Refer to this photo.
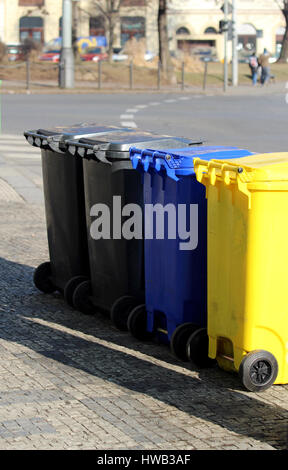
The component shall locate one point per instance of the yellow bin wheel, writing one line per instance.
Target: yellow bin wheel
(258, 370)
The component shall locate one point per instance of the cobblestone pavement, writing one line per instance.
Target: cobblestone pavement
(71, 381)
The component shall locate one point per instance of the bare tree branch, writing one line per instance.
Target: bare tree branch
(110, 9)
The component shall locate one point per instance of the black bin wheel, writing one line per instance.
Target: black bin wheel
(197, 349)
(258, 370)
(82, 298)
(179, 339)
(137, 323)
(42, 279)
(121, 309)
(70, 288)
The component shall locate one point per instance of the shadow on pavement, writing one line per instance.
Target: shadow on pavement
(211, 396)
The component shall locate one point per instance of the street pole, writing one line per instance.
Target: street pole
(234, 44)
(225, 46)
(67, 56)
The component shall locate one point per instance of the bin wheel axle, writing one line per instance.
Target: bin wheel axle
(197, 349)
(137, 323)
(42, 279)
(82, 298)
(121, 309)
(179, 339)
(70, 288)
(258, 370)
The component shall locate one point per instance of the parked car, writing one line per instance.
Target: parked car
(94, 54)
(119, 55)
(16, 52)
(50, 56)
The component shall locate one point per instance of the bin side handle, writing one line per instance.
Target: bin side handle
(151, 160)
(206, 173)
(34, 135)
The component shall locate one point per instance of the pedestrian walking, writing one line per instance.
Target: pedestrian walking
(254, 65)
(265, 64)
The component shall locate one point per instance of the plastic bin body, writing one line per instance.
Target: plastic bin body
(175, 278)
(116, 264)
(64, 200)
(247, 244)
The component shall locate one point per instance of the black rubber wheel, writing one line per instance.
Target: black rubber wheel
(258, 370)
(70, 288)
(82, 298)
(121, 309)
(179, 339)
(42, 279)
(137, 323)
(197, 349)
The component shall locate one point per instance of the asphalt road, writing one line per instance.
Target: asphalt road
(257, 122)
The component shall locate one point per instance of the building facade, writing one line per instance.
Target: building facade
(193, 24)
(41, 20)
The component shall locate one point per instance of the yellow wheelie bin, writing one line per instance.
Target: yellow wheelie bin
(248, 266)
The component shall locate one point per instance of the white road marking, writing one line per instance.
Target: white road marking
(16, 147)
(126, 116)
(129, 124)
(19, 156)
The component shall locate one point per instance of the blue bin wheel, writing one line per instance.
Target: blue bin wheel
(121, 309)
(179, 339)
(70, 287)
(42, 279)
(137, 323)
(82, 298)
(197, 349)
(258, 370)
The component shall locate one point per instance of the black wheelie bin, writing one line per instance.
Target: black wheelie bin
(111, 185)
(65, 207)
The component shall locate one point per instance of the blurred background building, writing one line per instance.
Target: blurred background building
(192, 25)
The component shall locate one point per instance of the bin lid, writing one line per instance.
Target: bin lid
(180, 162)
(53, 138)
(257, 168)
(118, 144)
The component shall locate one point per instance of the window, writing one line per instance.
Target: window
(132, 26)
(210, 30)
(31, 27)
(247, 37)
(97, 26)
(182, 30)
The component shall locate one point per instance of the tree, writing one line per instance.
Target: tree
(283, 5)
(164, 53)
(110, 10)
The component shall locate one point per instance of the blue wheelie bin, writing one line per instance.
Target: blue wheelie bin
(175, 249)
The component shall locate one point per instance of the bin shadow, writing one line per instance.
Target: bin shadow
(34, 321)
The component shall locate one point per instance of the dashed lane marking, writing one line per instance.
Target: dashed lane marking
(126, 116)
(128, 124)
